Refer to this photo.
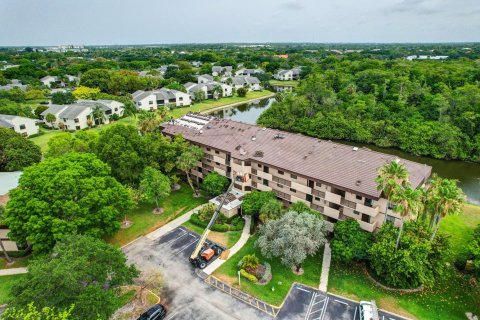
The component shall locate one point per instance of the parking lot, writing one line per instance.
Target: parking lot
(187, 296)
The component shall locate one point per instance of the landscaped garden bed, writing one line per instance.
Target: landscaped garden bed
(254, 271)
(222, 224)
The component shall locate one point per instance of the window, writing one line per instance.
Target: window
(150, 102)
(76, 120)
(310, 183)
(365, 218)
(356, 212)
(317, 198)
(280, 172)
(254, 171)
(390, 219)
(77, 127)
(217, 152)
(265, 182)
(293, 176)
(181, 98)
(309, 197)
(217, 163)
(358, 197)
(22, 127)
(265, 169)
(293, 190)
(116, 109)
(259, 165)
(247, 164)
(139, 103)
(318, 184)
(208, 149)
(279, 185)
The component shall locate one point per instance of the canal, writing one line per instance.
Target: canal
(467, 173)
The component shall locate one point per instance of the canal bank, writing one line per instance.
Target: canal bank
(467, 173)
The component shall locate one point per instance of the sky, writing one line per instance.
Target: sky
(109, 22)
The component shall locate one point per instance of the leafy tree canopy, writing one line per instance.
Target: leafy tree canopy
(215, 184)
(253, 201)
(73, 193)
(81, 271)
(350, 241)
(16, 151)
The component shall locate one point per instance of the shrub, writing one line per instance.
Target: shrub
(215, 184)
(206, 213)
(220, 228)
(250, 262)
(350, 242)
(248, 276)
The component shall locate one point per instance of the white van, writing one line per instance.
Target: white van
(368, 310)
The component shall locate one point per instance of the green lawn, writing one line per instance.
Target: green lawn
(210, 104)
(292, 83)
(282, 277)
(451, 297)
(144, 221)
(42, 140)
(226, 239)
(6, 284)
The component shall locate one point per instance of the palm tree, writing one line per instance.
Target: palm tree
(217, 91)
(98, 114)
(2, 211)
(148, 121)
(390, 176)
(408, 204)
(187, 161)
(447, 198)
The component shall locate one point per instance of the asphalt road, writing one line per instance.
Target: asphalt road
(188, 297)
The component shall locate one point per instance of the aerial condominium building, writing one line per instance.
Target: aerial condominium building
(335, 179)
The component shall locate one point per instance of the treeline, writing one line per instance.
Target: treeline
(429, 108)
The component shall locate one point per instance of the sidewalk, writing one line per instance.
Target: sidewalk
(173, 224)
(240, 243)
(12, 271)
(327, 257)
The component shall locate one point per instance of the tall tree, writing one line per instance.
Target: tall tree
(154, 186)
(270, 210)
(80, 271)
(148, 121)
(16, 151)
(5, 253)
(58, 196)
(215, 184)
(187, 161)
(98, 114)
(390, 176)
(447, 198)
(408, 205)
(292, 238)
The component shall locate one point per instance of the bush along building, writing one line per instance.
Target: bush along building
(335, 179)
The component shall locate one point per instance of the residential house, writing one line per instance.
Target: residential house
(208, 89)
(8, 182)
(252, 83)
(222, 71)
(334, 179)
(79, 115)
(151, 100)
(24, 126)
(248, 72)
(204, 78)
(48, 81)
(14, 83)
(291, 74)
(164, 68)
(196, 64)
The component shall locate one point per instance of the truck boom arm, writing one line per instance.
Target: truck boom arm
(216, 213)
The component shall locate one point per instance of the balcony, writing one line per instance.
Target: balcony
(347, 203)
(332, 197)
(332, 213)
(370, 227)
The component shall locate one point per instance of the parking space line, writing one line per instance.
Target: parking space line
(319, 301)
(177, 238)
(303, 289)
(324, 310)
(172, 315)
(355, 314)
(310, 306)
(185, 247)
(342, 302)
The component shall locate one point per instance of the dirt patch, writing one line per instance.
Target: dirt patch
(225, 254)
(299, 272)
(219, 237)
(126, 224)
(157, 211)
(390, 304)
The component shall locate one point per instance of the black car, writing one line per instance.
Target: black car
(157, 312)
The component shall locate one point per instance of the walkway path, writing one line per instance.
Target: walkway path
(327, 257)
(240, 243)
(173, 224)
(12, 271)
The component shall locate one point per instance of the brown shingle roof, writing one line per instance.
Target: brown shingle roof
(352, 169)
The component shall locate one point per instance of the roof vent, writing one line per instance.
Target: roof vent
(278, 136)
(358, 182)
(355, 148)
(238, 147)
(258, 154)
(264, 128)
(209, 127)
(254, 138)
(201, 131)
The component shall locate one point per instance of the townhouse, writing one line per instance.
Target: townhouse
(80, 115)
(248, 72)
(291, 74)
(222, 71)
(335, 179)
(14, 83)
(151, 100)
(25, 126)
(252, 83)
(48, 81)
(211, 90)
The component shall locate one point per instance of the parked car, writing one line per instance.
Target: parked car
(368, 310)
(157, 312)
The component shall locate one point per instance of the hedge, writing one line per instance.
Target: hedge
(248, 276)
(235, 223)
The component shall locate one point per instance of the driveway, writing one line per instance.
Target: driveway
(188, 297)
